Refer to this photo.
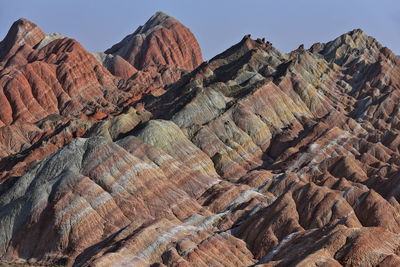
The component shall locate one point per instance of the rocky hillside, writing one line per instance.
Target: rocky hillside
(142, 155)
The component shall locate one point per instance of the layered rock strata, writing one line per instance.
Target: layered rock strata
(255, 157)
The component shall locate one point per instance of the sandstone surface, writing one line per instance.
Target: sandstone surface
(253, 158)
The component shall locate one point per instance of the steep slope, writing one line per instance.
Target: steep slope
(155, 55)
(256, 157)
(48, 75)
(162, 40)
(49, 78)
(22, 36)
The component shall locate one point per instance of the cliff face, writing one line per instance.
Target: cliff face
(254, 157)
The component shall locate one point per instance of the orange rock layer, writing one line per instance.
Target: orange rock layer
(256, 157)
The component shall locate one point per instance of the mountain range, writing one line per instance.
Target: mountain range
(146, 155)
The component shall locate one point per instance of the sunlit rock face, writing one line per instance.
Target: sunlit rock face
(144, 156)
(157, 54)
(52, 90)
(162, 40)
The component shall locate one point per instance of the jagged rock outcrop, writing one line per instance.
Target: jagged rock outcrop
(255, 157)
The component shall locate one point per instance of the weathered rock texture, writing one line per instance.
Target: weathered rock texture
(155, 55)
(46, 75)
(255, 157)
(161, 41)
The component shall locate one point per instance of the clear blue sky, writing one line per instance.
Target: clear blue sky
(217, 24)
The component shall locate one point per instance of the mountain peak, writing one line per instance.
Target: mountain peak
(349, 45)
(161, 41)
(354, 36)
(256, 157)
(159, 19)
(21, 32)
(356, 31)
(23, 21)
(22, 27)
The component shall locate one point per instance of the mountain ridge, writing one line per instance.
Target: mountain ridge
(254, 157)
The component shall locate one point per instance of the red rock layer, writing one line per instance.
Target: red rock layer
(161, 41)
(162, 50)
(256, 157)
(22, 36)
(51, 74)
(60, 78)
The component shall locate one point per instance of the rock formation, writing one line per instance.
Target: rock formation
(159, 53)
(144, 156)
(162, 40)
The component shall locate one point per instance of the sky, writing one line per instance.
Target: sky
(217, 24)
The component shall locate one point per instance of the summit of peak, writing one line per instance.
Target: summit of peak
(23, 21)
(22, 32)
(356, 32)
(159, 15)
(21, 26)
(158, 19)
(162, 40)
(355, 42)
